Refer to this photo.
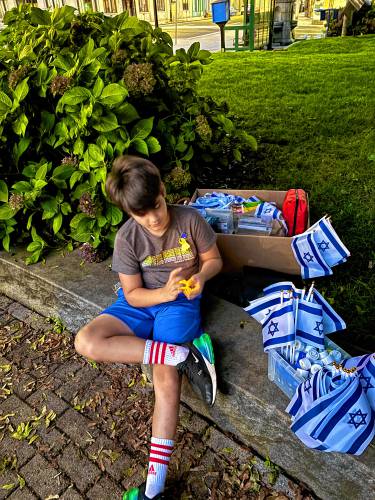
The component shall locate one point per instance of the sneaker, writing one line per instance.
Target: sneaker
(199, 367)
(139, 494)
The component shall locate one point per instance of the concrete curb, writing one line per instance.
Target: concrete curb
(248, 405)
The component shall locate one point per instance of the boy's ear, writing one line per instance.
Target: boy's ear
(163, 191)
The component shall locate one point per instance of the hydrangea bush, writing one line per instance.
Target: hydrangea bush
(75, 92)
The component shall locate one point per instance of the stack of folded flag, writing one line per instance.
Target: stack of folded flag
(262, 212)
(319, 249)
(334, 409)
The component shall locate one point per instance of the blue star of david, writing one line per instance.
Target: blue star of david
(367, 381)
(359, 414)
(308, 257)
(268, 210)
(307, 385)
(323, 245)
(273, 328)
(319, 327)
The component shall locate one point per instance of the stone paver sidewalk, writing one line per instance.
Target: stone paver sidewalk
(73, 430)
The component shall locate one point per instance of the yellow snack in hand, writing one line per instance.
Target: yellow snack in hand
(188, 287)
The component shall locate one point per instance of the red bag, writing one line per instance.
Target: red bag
(296, 211)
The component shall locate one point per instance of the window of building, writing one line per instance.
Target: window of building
(110, 6)
(160, 4)
(185, 6)
(143, 6)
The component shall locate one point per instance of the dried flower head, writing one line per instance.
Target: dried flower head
(119, 56)
(91, 254)
(17, 75)
(202, 128)
(87, 205)
(139, 79)
(178, 178)
(60, 85)
(70, 160)
(16, 201)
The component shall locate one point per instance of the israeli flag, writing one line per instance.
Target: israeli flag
(287, 286)
(268, 211)
(278, 326)
(366, 372)
(339, 417)
(330, 246)
(260, 308)
(310, 326)
(309, 257)
(332, 322)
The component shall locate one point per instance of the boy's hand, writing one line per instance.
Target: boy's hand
(196, 284)
(172, 287)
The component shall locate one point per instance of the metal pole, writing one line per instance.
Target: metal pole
(270, 32)
(156, 14)
(222, 36)
(175, 27)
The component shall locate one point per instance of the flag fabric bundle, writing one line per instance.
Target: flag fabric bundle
(366, 370)
(278, 326)
(318, 249)
(310, 327)
(332, 322)
(268, 211)
(313, 317)
(330, 412)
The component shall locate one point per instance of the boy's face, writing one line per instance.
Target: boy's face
(155, 220)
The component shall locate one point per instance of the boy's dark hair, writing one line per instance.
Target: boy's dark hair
(134, 184)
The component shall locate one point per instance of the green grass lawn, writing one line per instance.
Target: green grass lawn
(312, 110)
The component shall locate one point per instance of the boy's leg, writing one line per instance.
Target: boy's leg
(108, 339)
(167, 387)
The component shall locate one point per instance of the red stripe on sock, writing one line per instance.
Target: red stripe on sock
(161, 453)
(156, 356)
(163, 353)
(151, 353)
(159, 461)
(163, 446)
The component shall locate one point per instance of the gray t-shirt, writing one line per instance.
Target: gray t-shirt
(138, 251)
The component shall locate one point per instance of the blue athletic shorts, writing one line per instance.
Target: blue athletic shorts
(175, 322)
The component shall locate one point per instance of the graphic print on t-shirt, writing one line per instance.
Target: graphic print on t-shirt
(176, 254)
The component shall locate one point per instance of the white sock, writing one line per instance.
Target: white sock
(160, 455)
(161, 353)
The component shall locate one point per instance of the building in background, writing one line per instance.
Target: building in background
(143, 9)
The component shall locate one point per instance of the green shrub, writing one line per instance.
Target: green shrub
(75, 92)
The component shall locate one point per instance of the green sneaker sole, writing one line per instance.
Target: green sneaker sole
(204, 345)
(131, 494)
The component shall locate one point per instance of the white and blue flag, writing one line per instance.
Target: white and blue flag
(331, 248)
(268, 211)
(332, 413)
(332, 321)
(310, 326)
(260, 308)
(309, 257)
(366, 372)
(278, 326)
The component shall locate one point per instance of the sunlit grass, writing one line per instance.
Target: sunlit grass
(312, 109)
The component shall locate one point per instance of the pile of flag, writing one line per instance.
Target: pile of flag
(319, 249)
(264, 210)
(287, 314)
(334, 410)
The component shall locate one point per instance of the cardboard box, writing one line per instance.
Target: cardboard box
(269, 252)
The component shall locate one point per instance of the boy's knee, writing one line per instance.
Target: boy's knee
(166, 380)
(84, 343)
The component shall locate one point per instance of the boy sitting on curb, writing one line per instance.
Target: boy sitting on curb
(160, 251)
